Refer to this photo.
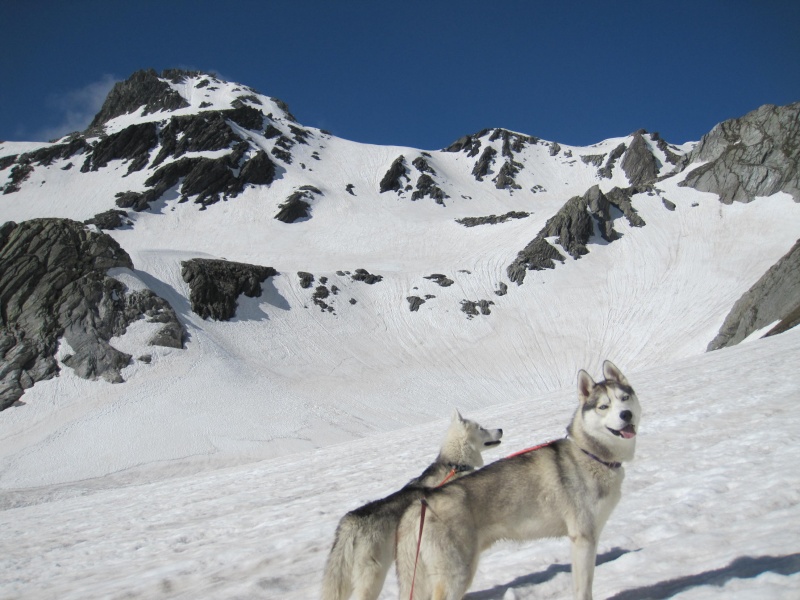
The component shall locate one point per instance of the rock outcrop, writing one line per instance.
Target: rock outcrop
(215, 285)
(639, 163)
(393, 179)
(297, 205)
(573, 226)
(492, 219)
(54, 285)
(142, 89)
(774, 298)
(755, 155)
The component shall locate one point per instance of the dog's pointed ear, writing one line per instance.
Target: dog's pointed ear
(610, 371)
(457, 418)
(585, 385)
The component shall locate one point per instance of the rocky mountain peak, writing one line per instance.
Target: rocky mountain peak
(143, 88)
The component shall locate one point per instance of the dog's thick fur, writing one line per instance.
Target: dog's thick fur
(567, 488)
(363, 549)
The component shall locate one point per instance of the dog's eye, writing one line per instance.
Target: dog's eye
(625, 397)
(603, 407)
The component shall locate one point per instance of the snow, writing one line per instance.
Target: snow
(710, 507)
(220, 470)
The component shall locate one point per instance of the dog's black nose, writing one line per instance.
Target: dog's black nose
(626, 415)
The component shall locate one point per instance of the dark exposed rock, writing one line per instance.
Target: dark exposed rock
(319, 296)
(142, 89)
(426, 186)
(593, 159)
(662, 145)
(471, 307)
(484, 163)
(502, 289)
(422, 165)
(272, 132)
(555, 148)
(297, 205)
(19, 174)
(512, 142)
(110, 219)
(574, 226)
(607, 170)
(414, 302)
(54, 284)
(258, 170)
(392, 180)
(7, 161)
(639, 163)
(505, 177)
(282, 154)
(215, 285)
(470, 144)
(300, 135)
(209, 179)
(538, 255)
(774, 297)
(755, 155)
(442, 280)
(492, 219)
(350, 188)
(365, 276)
(621, 198)
(667, 204)
(306, 279)
(133, 143)
(205, 131)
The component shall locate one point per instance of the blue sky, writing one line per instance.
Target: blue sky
(415, 73)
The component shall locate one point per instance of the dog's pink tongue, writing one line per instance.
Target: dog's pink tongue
(628, 432)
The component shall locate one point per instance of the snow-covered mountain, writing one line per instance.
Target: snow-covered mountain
(198, 282)
(246, 286)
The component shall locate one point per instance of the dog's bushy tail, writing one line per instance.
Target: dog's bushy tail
(337, 582)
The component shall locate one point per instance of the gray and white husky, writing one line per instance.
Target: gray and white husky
(566, 488)
(363, 549)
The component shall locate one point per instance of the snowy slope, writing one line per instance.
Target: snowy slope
(710, 507)
(285, 376)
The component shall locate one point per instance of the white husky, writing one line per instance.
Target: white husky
(566, 488)
(363, 549)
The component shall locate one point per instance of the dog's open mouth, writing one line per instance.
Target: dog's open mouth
(492, 443)
(626, 432)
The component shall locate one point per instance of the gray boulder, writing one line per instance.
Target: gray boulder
(215, 285)
(755, 155)
(774, 297)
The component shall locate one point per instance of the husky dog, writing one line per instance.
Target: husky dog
(566, 488)
(363, 549)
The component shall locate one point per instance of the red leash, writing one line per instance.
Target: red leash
(531, 449)
(422, 512)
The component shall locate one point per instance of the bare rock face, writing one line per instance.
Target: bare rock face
(393, 179)
(573, 226)
(638, 162)
(216, 285)
(755, 155)
(54, 284)
(774, 297)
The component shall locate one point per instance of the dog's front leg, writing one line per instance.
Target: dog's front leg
(584, 554)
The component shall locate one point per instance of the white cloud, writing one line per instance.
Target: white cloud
(75, 109)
